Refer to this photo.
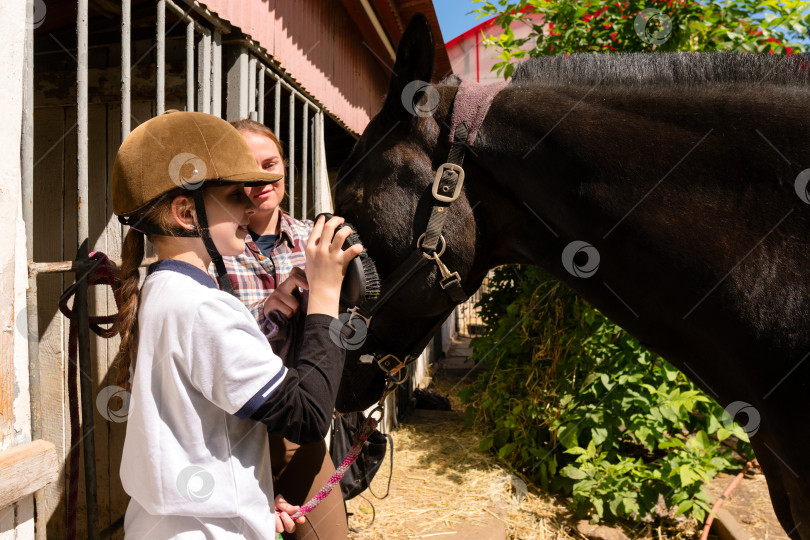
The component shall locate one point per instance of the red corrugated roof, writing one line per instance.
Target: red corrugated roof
(318, 44)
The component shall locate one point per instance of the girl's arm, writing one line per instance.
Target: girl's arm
(301, 408)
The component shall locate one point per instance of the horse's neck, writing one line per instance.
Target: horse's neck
(663, 184)
(599, 153)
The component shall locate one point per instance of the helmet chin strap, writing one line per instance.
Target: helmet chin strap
(208, 242)
(197, 232)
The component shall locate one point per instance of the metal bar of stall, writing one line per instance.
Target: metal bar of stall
(184, 16)
(83, 239)
(291, 146)
(260, 96)
(35, 268)
(160, 60)
(322, 176)
(126, 61)
(216, 74)
(190, 66)
(251, 97)
(313, 144)
(304, 159)
(27, 169)
(204, 76)
(291, 88)
(277, 109)
(316, 163)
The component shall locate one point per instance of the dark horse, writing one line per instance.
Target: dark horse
(682, 175)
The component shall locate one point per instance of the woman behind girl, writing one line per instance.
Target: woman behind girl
(266, 277)
(206, 387)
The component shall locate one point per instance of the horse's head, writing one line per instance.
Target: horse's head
(384, 191)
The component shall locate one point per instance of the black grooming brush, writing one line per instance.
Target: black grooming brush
(362, 282)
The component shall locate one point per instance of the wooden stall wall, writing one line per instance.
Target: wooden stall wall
(55, 211)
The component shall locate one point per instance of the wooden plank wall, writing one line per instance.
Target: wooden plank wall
(54, 232)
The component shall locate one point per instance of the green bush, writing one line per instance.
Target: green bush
(776, 26)
(580, 407)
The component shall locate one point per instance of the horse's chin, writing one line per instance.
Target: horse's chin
(361, 387)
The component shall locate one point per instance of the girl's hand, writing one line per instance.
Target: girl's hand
(326, 264)
(283, 299)
(284, 523)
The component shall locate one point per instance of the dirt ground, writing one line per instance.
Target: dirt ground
(443, 487)
(750, 505)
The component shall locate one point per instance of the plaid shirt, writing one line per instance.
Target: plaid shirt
(255, 276)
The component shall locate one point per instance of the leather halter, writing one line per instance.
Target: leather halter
(430, 246)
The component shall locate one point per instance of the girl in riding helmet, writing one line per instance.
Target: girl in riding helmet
(266, 278)
(206, 387)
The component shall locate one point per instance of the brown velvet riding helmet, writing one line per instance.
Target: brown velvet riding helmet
(179, 150)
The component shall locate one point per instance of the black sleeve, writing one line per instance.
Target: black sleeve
(300, 408)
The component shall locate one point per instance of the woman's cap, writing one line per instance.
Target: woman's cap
(180, 150)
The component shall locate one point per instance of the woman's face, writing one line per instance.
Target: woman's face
(265, 152)
(228, 210)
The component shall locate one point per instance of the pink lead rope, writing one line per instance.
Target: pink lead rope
(364, 433)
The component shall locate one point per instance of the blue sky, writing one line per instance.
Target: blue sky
(453, 18)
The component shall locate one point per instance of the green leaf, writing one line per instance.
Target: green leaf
(683, 507)
(572, 472)
(687, 475)
(506, 450)
(577, 451)
(599, 434)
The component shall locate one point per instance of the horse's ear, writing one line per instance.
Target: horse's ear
(415, 57)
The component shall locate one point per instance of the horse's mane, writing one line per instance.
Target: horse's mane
(666, 69)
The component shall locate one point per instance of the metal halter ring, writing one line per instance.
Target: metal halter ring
(441, 238)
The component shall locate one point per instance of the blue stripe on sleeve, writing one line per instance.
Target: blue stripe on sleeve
(261, 396)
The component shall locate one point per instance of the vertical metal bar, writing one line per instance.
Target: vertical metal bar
(316, 163)
(190, 66)
(251, 98)
(83, 230)
(160, 53)
(304, 159)
(277, 109)
(126, 61)
(27, 167)
(313, 144)
(291, 146)
(260, 96)
(244, 77)
(216, 74)
(204, 75)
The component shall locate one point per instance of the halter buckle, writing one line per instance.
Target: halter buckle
(392, 365)
(456, 187)
(356, 313)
